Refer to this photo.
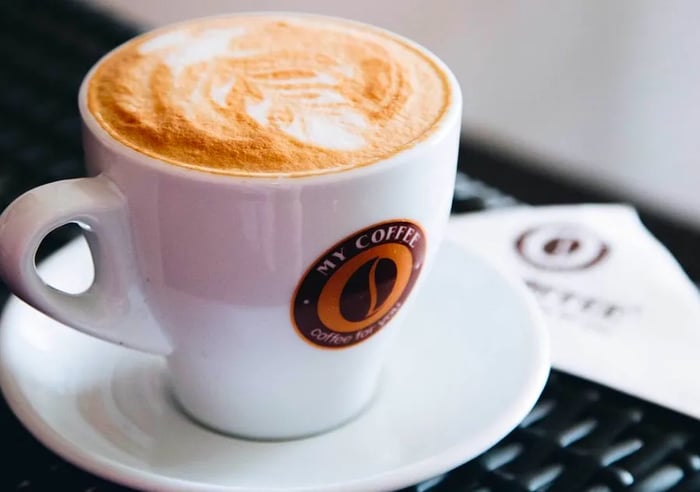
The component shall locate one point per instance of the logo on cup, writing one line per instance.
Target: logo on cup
(561, 247)
(356, 287)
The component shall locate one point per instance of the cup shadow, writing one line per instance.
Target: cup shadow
(134, 418)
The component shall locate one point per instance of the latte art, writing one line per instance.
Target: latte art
(262, 94)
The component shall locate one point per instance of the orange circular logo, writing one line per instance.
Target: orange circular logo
(356, 287)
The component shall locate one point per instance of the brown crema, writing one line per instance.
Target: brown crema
(266, 95)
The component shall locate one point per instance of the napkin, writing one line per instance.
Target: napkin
(619, 307)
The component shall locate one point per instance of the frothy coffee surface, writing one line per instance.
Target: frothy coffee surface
(267, 95)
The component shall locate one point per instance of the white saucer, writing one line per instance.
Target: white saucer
(469, 364)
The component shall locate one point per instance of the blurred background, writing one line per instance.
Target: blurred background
(565, 101)
(604, 93)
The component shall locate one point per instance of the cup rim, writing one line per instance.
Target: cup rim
(450, 118)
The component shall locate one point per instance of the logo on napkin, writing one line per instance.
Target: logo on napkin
(561, 247)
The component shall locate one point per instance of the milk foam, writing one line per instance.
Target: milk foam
(265, 94)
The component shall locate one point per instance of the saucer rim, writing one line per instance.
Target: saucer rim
(140, 478)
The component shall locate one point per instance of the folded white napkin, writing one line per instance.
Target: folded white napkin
(620, 309)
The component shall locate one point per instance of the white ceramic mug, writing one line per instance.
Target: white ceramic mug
(224, 275)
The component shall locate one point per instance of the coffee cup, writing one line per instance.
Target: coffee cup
(266, 193)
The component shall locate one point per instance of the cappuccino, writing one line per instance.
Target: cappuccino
(267, 95)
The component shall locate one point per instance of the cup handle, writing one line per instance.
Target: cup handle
(113, 308)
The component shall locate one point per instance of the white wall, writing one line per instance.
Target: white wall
(605, 90)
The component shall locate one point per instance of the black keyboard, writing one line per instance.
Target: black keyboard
(579, 437)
